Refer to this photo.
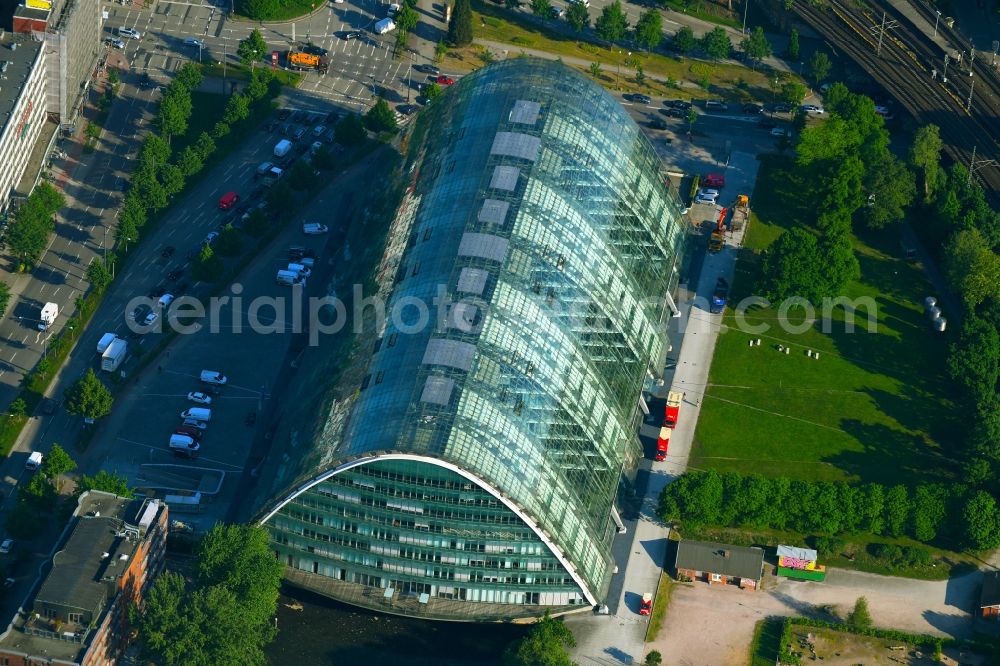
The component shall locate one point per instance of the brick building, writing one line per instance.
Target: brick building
(719, 563)
(76, 614)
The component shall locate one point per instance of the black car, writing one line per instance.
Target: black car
(273, 125)
(678, 104)
(407, 109)
(283, 114)
(350, 34)
(168, 251)
(640, 99)
(421, 100)
(175, 274)
(752, 108)
(48, 406)
(674, 113)
(299, 116)
(312, 49)
(658, 123)
(427, 69)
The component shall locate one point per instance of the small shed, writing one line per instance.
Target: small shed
(989, 600)
(720, 563)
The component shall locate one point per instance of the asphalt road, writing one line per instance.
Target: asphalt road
(359, 68)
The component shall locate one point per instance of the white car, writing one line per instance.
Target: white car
(195, 423)
(708, 193)
(150, 319)
(191, 41)
(129, 32)
(314, 229)
(812, 108)
(200, 398)
(116, 43)
(780, 131)
(705, 200)
(6, 546)
(166, 300)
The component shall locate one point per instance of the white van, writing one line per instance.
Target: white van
(384, 26)
(213, 377)
(105, 342)
(290, 278)
(314, 228)
(301, 269)
(183, 442)
(34, 460)
(263, 168)
(198, 413)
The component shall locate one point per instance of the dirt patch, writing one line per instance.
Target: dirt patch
(837, 648)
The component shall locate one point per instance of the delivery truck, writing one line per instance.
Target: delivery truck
(674, 399)
(114, 355)
(48, 316)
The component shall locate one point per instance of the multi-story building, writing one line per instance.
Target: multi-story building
(23, 104)
(463, 463)
(71, 32)
(77, 613)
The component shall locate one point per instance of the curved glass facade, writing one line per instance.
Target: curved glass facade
(472, 472)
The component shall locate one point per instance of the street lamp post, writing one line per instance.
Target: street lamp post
(936, 22)
(409, 77)
(746, 8)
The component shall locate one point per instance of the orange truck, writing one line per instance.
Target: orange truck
(674, 399)
(306, 61)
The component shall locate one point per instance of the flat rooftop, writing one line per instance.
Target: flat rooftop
(19, 62)
(84, 573)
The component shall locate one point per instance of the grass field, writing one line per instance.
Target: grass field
(874, 407)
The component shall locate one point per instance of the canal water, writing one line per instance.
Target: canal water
(316, 631)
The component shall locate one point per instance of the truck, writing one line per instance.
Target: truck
(674, 399)
(717, 240)
(741, 213)
(384, 26)
(114, 355)
(300, 60)
(662, 443)
(282, 147)
(48, 316)
(720, 296)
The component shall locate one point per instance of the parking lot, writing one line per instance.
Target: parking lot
(360, 68)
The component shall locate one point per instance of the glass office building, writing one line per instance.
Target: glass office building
(467, 463)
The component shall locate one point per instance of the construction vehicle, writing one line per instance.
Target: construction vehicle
(662, 444)
(717, 240)
(741, 213)
(299, 60)
(720, 296)
(674, 399)
(48, 316)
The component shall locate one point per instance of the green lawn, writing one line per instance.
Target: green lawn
(874, 407)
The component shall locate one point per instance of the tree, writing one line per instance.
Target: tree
(460, 27)
(819, 66)
(684, 40)
(892, 188)
(323, 159)
(541, 8)
(793, 44)
(792, 267)
(860, 617)
(189, 162)
(252, 49)
(756, 47)
(220, 129)
(716, 43)
(303, 176)
(172, 179)
(229, 243)
(89, 397)
(649, 29)
(350, 131)
(406, 19)
(98, 276)
(57, 462)
(189, 76)
(237, 109)
(595, 69)
(974, 359)
(981, 521)
(28, 234)
(175, 110)
(126, 232)
(654, 658)
(168, 630)
(578, 16)
(259, 80)
(793, 92)
(155, 152)
(257, 224)
(972, 267)
(546, 644)
(925, 155)
(109, 482)
(612, 25)
(149, 189)
(380, 117)
(208, 266)
(4, 297)
(205, 145)
(432, 91)
(928, 511)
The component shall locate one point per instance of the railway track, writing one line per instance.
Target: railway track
(903, 67)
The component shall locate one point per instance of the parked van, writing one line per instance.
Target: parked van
(105, 342)
(384, 26)
(199, 413)
(716, 105)
(301, 269)
(228, 200)
(34, 460)
(186, 442)
(290, 278)
(213, 377)
(263, 168)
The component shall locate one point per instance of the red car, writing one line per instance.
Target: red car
(228, 200)
(646, 605)
(444, 80)
(716, 180)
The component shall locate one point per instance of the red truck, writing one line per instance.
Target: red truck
(662, 444)
(674, 399)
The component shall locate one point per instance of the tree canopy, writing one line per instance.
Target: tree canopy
(252, 48)
(28, 234)
(716, 43)
(578, 16)
(756, 47)
(89, 397)
(612, 25)
(460, 26)
(380, 117)
(684, 40)
(649, 29)
(546, 644)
